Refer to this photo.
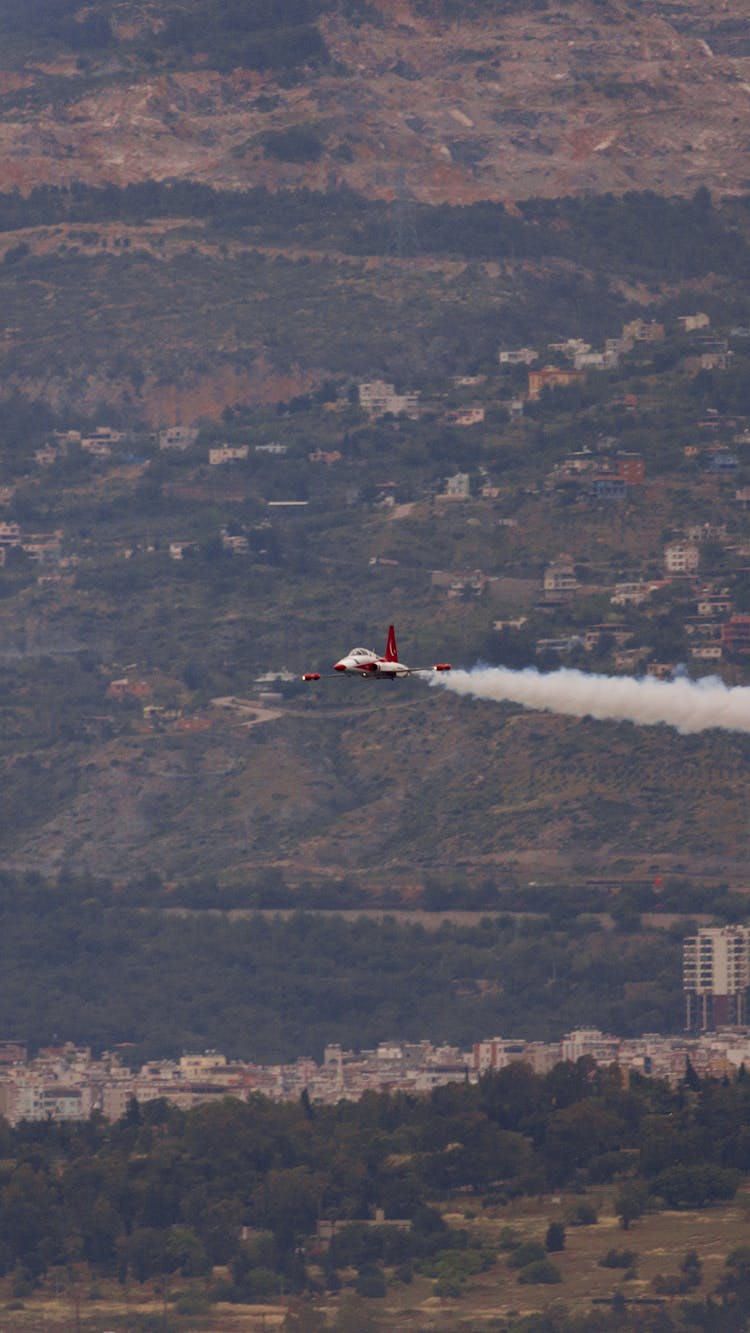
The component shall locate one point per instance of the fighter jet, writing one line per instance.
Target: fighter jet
(366, 663)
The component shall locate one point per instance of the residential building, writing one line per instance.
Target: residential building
(660, 670)
(607, 633)
(590, 1041)
(710, 604)
(228, 453)
(236, 543)
(497, 1053)
(735, 634)
(466, 416)
(618, 346)
(722, 463)
(10, 534)
(560, 576)
(595, 360)
(552, 377)
(325, 456)
(560, 647)
(716, 359)
(631, 594)
(107, 434)
(689, 323)
(582, 460)
(519, 356)
(631, 468)
(609, 488)
(515, 622)
(681, 557)
(177, 549)
(43, 548)
(570, 347)
(125, 688)
(641, 330)
(457, 487)
(178, 437)
(716, 977)
(629, 659)
(96, 448)
(377, 398)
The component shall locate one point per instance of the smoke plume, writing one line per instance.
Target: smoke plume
(688, 705)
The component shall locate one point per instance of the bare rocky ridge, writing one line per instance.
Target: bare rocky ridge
(585, 97)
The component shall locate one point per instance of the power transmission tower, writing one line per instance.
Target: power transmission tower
(404, 241)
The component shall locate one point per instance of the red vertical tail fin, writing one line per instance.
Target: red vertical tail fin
(391, 651)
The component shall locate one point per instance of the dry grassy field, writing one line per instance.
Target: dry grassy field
(660, 1241)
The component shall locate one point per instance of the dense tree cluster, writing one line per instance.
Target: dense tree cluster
(168, 1191)
(108, 964)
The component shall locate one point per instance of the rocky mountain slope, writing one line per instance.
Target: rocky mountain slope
(504, 101)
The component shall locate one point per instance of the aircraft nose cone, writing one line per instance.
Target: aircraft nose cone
(339, 667)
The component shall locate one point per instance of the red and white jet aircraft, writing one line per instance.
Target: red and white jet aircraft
(365, 662)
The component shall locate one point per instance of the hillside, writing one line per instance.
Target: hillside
(235, 227)
(386, 793)
(501, 99)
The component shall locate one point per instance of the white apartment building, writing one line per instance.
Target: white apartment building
(716, 977)
(681, 557)
(376, 398)
(590, 1041)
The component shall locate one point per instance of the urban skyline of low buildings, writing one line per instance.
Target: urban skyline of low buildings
(67, 1082)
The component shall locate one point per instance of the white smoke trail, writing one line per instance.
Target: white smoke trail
(688, 705)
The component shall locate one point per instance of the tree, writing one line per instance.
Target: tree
(695, 1186)
(630, 1203)
(692, 1269)
(554, 1241)
(371, 1282)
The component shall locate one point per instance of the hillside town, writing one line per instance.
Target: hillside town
(697, 561)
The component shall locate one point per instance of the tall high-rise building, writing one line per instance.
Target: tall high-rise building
(716, 977)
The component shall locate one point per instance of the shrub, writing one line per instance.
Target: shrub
(542, 1271)
(449, 1286)
(192, 1303)
(527, 1253)
(584, 1215)
(618, 1259)
(299, 143)
(509, 1239)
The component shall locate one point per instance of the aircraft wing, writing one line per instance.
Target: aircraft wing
(375, 671)
(426, 671)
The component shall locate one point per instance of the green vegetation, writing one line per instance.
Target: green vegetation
(164, 1192)
(72, 962)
